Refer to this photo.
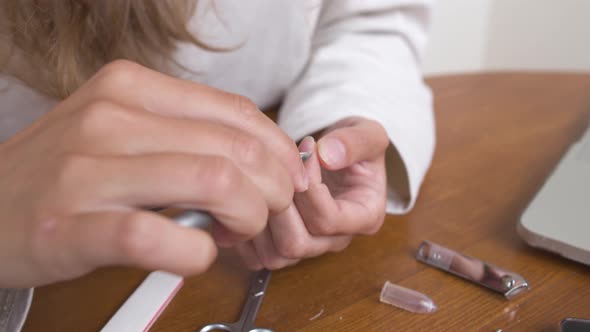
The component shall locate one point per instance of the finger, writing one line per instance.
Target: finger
(312, 165)
(225, 238)
(292, 239)
(318, 210)
(137, 87)
(120, 130)
(83, 242)
(323, 215)
(248, 254)
(356, 140)
(202, 182)
(268, 254)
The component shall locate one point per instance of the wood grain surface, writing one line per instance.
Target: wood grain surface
(499, 137)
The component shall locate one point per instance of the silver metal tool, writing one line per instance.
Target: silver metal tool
(304, 155)
(247, 319)
(201, 219)
(194, 219)
(14, 306)
(493, 277)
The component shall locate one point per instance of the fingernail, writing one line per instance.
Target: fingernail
(303, 179)
(306, 145)
(332, 151)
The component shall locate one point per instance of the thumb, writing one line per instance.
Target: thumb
(352, 141)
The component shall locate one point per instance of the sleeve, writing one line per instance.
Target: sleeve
(20, 106)
(365, 61)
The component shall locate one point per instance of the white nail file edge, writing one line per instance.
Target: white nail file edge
(145, 305)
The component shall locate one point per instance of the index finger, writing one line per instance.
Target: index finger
(134, 86)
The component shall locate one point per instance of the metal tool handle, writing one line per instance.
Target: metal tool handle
(247, 319)
(256, 293)
(194, 219)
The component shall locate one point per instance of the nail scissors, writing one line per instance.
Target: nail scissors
(256, 293)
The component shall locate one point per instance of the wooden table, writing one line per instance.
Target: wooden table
(499, 136)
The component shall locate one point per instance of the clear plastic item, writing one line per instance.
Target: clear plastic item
(407, 299)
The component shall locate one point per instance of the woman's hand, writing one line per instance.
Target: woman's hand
(346, 197)
(73, 185)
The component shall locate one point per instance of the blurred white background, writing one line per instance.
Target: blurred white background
(476, 35)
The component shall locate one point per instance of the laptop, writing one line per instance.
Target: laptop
(558, 218)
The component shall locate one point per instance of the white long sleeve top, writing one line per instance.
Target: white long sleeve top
(324, 59)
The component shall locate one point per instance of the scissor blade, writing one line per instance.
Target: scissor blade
(256, 293)
(305, 155)
(259, 282)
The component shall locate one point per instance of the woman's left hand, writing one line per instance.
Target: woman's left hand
(346, 197)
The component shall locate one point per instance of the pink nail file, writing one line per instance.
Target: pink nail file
(145, 305)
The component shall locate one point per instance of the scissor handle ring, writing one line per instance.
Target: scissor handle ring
(216, 327)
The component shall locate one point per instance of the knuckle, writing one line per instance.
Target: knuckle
(288, 148)
(271, 262)
(322, 227)
(136, 238)
(99, 118)
(247, 111)
(251, 225)
(341, 245)
(295, 248)
(245, 106)
(220, 177)
(284, 198)
(72, 163)
(247, 150)
(260, 221)
(376, 222)
(71, 170)
(118, 74)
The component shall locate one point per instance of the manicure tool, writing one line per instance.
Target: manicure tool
(501, 280)
(247, 319)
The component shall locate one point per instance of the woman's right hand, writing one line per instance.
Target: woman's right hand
(73, 185)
